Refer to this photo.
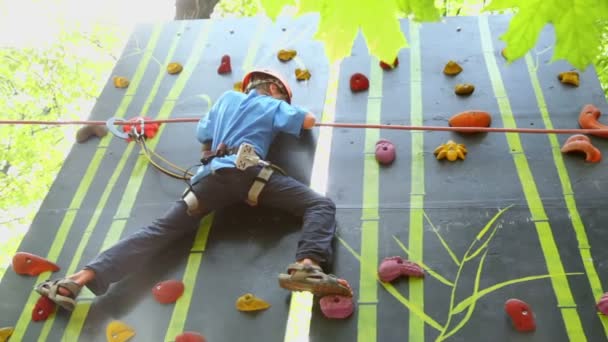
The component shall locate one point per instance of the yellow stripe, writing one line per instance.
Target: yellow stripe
(298, 320)
(136, 178)
(564, 177)
(83, 188)
(368, 286)
(416, 223)
(182, 306)
(559, 281)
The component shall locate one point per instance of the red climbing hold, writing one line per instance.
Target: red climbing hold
(225, 67)
(602, 304)
(521, 315)
(358, 82)
(149, 129)
(387, 66)
(43, 309)
(394, 267)
(168, 291)
(385, 151)
(30, 264)
(190, 336)
(337, 307)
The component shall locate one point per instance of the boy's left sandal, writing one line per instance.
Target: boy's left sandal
(312, 279)
(50, 289)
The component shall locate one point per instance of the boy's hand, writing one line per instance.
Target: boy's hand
(309, 121)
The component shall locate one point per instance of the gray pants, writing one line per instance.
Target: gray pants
(220, 189)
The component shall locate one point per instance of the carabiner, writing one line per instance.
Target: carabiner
(110, 124)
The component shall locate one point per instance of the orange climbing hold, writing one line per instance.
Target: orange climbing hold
(302, 74)
(43, 309)
(588, 118)
(118, 331)
(168, 291)
(190, 336)
(120, 81)
(582, 143)
(286, 55)
(249, 302)
(452, 68)
(238, 86)
(30, 264)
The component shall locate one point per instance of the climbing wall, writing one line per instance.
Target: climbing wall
(516, 219)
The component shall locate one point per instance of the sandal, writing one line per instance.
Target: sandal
(50, 289)
(311, 278)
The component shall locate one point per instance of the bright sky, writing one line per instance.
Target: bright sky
(35, 22)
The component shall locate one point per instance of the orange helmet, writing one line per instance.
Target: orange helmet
(283, 83)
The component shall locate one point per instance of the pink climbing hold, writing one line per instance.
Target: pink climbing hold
(168, 291)
(190, 336)
(392, 268)
(385, 152)
(602, 304)
(337, 307)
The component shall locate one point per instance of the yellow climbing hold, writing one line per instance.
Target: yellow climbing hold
(5, 333)
(118, 331)
(450, 151)
(249, 302)
(569, 77)
(302, 74)
(174, 68)
(286, 55)
(238, 86)
(120, 81)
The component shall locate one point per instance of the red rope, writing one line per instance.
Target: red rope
(328, 124)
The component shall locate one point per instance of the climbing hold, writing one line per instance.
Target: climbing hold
(120, 81)
(503, 53)
(385, 152)
(358, 82)
(337, 307)
(5, 333)
(386, 66)
(602, 304)
(149, 129)
(30, 264)
(238, 86)
(521, 315)
(225, 67)
(582, 143)
(394, 267)
(286, 55)
(302, 74)
(569, 77)
(174, 68)
(168, 291)
(84, 133)
(249, 302)
(470, 118)
(464, 89)
(450, 151)
(588, 119)
(118, 331)
(452, 68)
(43, 309)
(190, 336)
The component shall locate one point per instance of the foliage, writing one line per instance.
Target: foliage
(577, 24)
(56, 81)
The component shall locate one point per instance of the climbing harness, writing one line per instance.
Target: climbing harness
(246, 158)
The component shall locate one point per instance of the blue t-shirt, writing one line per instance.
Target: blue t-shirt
(252, 118)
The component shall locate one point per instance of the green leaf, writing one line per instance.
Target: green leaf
(576, 22)
(421, 10)
(273, 7)
(341, 20)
